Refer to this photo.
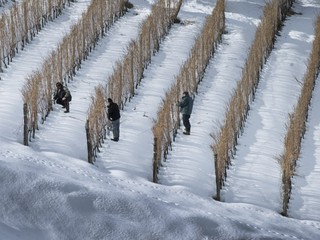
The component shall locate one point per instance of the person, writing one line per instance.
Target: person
(114, 116)
(186, 105)
(62, 96)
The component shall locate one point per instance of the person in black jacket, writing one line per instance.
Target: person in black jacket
(114, 117)
(62, 96)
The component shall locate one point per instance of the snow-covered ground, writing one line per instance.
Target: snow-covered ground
(49, 191)
(255, 176)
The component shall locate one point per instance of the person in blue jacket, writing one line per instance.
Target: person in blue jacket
(186, 105)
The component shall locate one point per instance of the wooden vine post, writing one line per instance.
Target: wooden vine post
(25, 124)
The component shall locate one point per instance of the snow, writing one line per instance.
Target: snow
(262, 142)
(50, 191)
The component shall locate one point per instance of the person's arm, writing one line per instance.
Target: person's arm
(55, 95)
(183, 103)
(109, 112)
(66, 93)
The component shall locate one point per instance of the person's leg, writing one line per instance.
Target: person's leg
(66, 105)
(59, 101)
(186, 122)
(116, 129)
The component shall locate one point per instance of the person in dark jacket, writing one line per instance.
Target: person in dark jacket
(114, 117)
(186, 105)
(62, 96)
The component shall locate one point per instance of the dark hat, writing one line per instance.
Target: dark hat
(109, 100)
(186, 92)
(58, 84)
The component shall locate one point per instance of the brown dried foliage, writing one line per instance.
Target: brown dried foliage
(21, 23)
(191, 73)
(75, 46)
(128, 73)
(296, 126)
(225, 141)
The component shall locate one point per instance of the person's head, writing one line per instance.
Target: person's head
(185, 93)
(59, 85)
(109, 100)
